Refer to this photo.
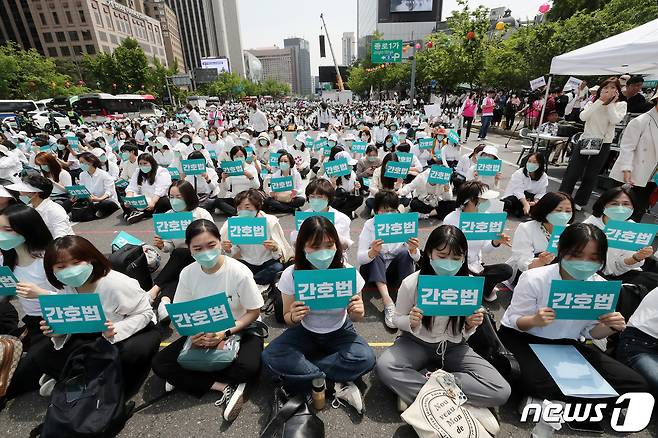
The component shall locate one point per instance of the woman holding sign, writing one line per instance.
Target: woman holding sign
(320, 342)
(440, 341)
(51, 169)
(429, 196)
(213, 274)
(380, 182)
(533, 316)
(232, 185)
(100, 184)
(73, 264)
(206, 183)
(152, 182)
(618, 204)
(288, 199)
(526, 186)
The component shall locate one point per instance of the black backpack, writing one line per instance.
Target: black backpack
(487, 344)
(131, 260)
(88, 400)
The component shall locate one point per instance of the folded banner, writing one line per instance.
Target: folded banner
(396, 227)
(282, 184)
(174, 172)
(247, 230)
(572, 373)
(206, 315)
(232, 168)
(337, 168)
(449, 296)
(194, 167)
(79, 192)
(488, 167)
(397, 170)
(359, 147)
(630, 236)
(124, 239)
(583, 300)
(554, 239)
(325, 289)
(482, 226)
(8, 282)
(439, 175)
(425, 143)
(301, 216)
(139, 202)
(73, 313)
(172, 225)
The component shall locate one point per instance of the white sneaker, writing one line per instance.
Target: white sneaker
(578, 207)
(163, 315)
(526, 401)
(486, 418)
(423, 216)
(234, 401)
(402, 406)
(47, 388)
(491, 297)
(168, 387)
(349, 393)
(43, 379)
(389, 314)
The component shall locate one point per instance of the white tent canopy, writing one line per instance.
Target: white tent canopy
(634, 52)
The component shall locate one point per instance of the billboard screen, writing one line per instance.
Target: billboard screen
(411, 6)
(220, 64)
(328, 73)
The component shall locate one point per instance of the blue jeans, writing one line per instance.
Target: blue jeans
(486, 121)
(299, 355)
(639, 351)
(265, 273)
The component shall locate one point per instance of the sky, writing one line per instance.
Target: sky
(265, 23)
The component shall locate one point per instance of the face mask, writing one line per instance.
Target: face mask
(318, 204)
(145, 169)
(75, 276)
(284, 166)
(558, 218)
(10, 240)
(247, 213)
(241, 159)
(207, 259)
(159, 145)
(331, 143)
(212, 137)
(446, 266)
(125, 156)
(60, 147)
(532, 167)
(263, 143)
(618, 212)
(322, 258)
(186, 141)
(402, 136)
(177, 204)
(483, 206)
(102, 158)
(580, 269)
(25, 199)
(197, 146)
(372, 159)
(45, 168)
(84, 167)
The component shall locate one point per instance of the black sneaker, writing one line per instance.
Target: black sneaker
(234, 398)
(135, 217)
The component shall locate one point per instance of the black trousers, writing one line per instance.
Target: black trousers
(274, 206)
(442, 209)
(347, 203)
(468, 122)
(642, 278)
(162, 206)
(537, 382)
(8, 317)
(167, 279)
(105, 207)
(135, 353)
(585, 169)
(513, 206)
(642, 198)
(245, 368)
(226, 205)
(494, 274)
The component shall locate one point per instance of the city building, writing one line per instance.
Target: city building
(159, 10)
(70, 29)
(209, 29)
(348, 48)
(253, 67)
(279, 64)
(302, 55)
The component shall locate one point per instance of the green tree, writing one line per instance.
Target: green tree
(563, 9)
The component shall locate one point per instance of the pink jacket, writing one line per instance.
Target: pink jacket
(469, 108)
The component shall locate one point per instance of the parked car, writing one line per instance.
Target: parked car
(42, 121)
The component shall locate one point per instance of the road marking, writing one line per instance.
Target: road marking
(372, 344)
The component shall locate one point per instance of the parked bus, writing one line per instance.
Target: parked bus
(9, 108)
(101, 107)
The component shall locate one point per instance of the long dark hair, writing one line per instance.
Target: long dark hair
(452, 238)
(541, 161)
(150, 177)
(386, 182)
(27, 222)
(313, 232)
(54, 168)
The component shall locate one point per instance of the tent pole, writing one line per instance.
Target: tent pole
(543, 107)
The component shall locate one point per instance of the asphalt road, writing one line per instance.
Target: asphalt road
(180, 415)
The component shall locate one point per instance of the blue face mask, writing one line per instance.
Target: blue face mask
(145, 169)
(10, 240)
(45, 168)
(84, 167)
(532, 167)
(483, 206)
(177, 204)
(74, 276)
(321, 259)
(207, 259)
(25, 199)
(102, 158)
(125, 156)
(580, 269)
(618, 212)
(197, 146)
(446, 266)
(247, 213)
(318, 204)
(284, 166)
(558, 218)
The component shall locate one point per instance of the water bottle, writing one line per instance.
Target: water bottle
(318, 394)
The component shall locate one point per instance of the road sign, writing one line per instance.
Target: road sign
(181, 80)
(384, 51)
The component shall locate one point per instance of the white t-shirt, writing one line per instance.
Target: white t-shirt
(645, 317)
(318, 321)
(233, 278)
(36, 274)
